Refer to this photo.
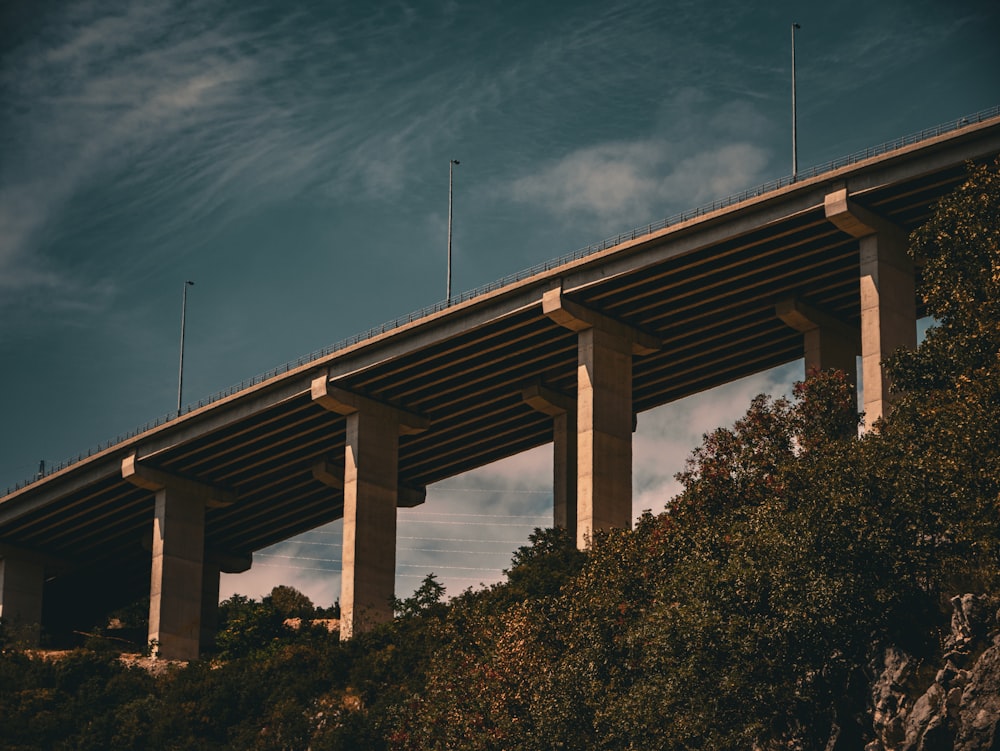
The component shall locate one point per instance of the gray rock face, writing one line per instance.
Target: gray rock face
(979, 707)
(960, 708)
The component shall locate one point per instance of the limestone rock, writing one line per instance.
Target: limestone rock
(960, 709)
(979, 709)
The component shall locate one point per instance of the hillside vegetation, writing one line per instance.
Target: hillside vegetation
(808, 589)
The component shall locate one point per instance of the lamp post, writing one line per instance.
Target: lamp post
(180, 375)
(795, 126)
(451, 183)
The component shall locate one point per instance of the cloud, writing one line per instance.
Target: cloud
(293, 571)
(167, 121)
(90, 97)
(624, 183)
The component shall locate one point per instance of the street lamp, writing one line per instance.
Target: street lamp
(451, 168)
(795, 126)
(180, 375)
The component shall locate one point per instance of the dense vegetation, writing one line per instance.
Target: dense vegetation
(748, 612)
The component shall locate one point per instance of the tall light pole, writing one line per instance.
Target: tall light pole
(451, 184)
(180, 375)
(795, 124)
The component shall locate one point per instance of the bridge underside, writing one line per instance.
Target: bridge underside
(707, 290)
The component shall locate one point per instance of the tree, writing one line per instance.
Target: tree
(958, 251)
(940, 453)
(290, 603)
(426, 596)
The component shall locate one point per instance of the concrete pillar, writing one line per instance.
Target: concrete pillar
(370, 480)
(563, 411)
(604, 433)
(175, 590)
(180, 587)
(888, 315)
(829, 342)
(371, 469)
(22, 582)
(604, 412)
(888, 295)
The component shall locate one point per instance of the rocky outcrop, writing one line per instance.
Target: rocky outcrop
(956, 707)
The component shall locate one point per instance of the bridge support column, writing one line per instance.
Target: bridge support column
(371, 468)
(563, 410)
(604, 413)
(22, 582)
(829, 343)
(180, 585)
(888, 295)
(175, 590)
(604, 437)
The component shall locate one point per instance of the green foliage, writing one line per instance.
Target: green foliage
(428, 595)
(959, 253)
(541, 568)
(248, 627)
(290, 603)
(76, 702)
(939, 455)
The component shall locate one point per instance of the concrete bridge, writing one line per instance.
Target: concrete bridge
(815, 269)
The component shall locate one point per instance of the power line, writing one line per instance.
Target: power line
(446, 568)
(470, 524)
(495, 491)
(297, 557)
(398, 565)
(440, 550)
(407, 537)
(398, 576)
(455, 539)
(412, 550)
(478, 516)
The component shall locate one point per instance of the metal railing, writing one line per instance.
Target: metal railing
(539, 268)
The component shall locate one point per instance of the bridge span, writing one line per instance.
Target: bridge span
(815, 269)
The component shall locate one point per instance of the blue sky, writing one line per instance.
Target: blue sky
(292, 159)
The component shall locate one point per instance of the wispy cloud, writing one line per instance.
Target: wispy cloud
(628, 182)
(686, 162)
(175, 119)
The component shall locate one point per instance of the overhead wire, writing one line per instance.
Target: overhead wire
(448, 518)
